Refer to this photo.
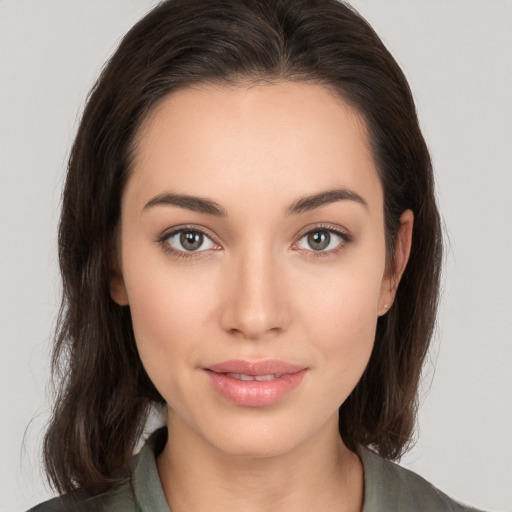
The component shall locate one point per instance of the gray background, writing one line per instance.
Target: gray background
(457, 55)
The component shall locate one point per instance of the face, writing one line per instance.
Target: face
(252, 256)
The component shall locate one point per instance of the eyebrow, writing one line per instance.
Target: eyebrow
(196, 204)
(312, 202)
(301, 205)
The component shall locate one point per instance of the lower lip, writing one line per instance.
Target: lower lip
(255, 393)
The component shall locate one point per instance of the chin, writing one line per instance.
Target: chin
(256, 445)
(266, 436)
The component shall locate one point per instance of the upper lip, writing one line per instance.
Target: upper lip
(266, 367)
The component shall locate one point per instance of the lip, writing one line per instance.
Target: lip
(255, 393)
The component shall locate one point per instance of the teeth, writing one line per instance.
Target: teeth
(265, 377)
(240, 376)
(259, 378)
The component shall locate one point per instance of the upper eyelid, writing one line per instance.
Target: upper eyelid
(324, 227)
(164, 242)
(188, 227)
(344, 233)
(346, 239)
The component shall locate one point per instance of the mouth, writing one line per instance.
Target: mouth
(255, 383)
(259, 378)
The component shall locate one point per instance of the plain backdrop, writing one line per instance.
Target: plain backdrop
(457, 55)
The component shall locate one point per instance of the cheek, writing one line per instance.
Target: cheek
(169, 310)
(345, 343)
(340, 316)
(345, 324)
(343, 299)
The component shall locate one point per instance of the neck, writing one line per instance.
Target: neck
(320, 474)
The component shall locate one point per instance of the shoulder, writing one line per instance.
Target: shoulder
(142, 491)
(120, 499)
(390, 487)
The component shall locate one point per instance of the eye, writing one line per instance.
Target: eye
(189, 240)
(321, 240)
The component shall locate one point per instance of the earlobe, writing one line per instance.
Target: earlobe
(402, 251)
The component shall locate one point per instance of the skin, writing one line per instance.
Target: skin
(258, 290)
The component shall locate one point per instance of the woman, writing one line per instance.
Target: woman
(249, 237)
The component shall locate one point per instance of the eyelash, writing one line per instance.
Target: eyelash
(163, 240)
(346, 239)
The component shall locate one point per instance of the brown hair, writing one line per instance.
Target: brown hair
(104, 393)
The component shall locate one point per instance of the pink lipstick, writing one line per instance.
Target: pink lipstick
(255, 383)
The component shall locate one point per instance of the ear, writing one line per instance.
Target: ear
(401, 253)
(118, 291)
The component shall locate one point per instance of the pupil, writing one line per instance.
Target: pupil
(191, 240)
(319, 240)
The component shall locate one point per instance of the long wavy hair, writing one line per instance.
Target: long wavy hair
(103, 393)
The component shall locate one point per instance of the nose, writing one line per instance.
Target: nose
(255, 305)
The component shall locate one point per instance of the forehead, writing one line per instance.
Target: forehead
(223, 140)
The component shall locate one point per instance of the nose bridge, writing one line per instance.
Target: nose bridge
(255, 307)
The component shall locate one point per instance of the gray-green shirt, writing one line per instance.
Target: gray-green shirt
(387, 487)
